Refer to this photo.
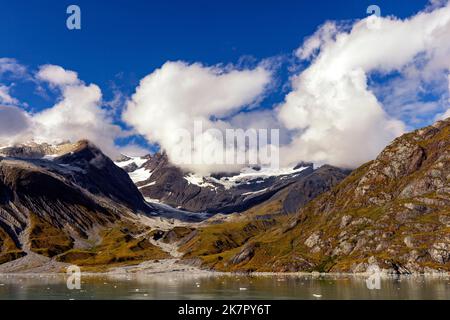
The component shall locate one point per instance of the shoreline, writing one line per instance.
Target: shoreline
(36, 265)
(173, 267)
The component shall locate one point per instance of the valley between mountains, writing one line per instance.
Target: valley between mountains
(70, 204)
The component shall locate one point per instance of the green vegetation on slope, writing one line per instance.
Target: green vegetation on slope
(120, 245)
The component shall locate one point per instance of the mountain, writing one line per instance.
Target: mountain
(160, 181)
(393, 212)
(81, 164)
(70, 204)
(69, 201)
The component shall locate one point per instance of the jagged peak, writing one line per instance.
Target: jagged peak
(36, 150)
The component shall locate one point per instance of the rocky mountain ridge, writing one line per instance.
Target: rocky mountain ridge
(392, 213)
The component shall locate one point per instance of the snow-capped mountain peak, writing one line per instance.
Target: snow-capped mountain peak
(159, 180)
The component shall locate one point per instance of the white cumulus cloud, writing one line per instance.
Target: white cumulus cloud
(78, 114)
(337, 110)
(337, 117)
(57, 75)
(178, 94)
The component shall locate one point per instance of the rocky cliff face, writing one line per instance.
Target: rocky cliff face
(52, 203)
(393, 212)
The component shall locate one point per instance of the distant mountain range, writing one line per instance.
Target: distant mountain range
(69, 203)
(160, 181)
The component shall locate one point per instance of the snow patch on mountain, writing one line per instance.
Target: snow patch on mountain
(198, 181)
(252, 175)
(147, 185)
(254, 192)
(140, 175)
(138, 161)
(245, 177)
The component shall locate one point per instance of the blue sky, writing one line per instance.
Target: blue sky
(121, 42)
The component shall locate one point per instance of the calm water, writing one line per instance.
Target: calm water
(222, 287)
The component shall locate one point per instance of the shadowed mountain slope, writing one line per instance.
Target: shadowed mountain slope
(53, 203)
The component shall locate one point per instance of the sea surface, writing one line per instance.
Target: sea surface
(204, 287)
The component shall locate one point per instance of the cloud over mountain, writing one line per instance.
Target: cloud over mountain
(179, 94)
(78, 114)
(363, 83)
(332, 112)
(338, 118)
